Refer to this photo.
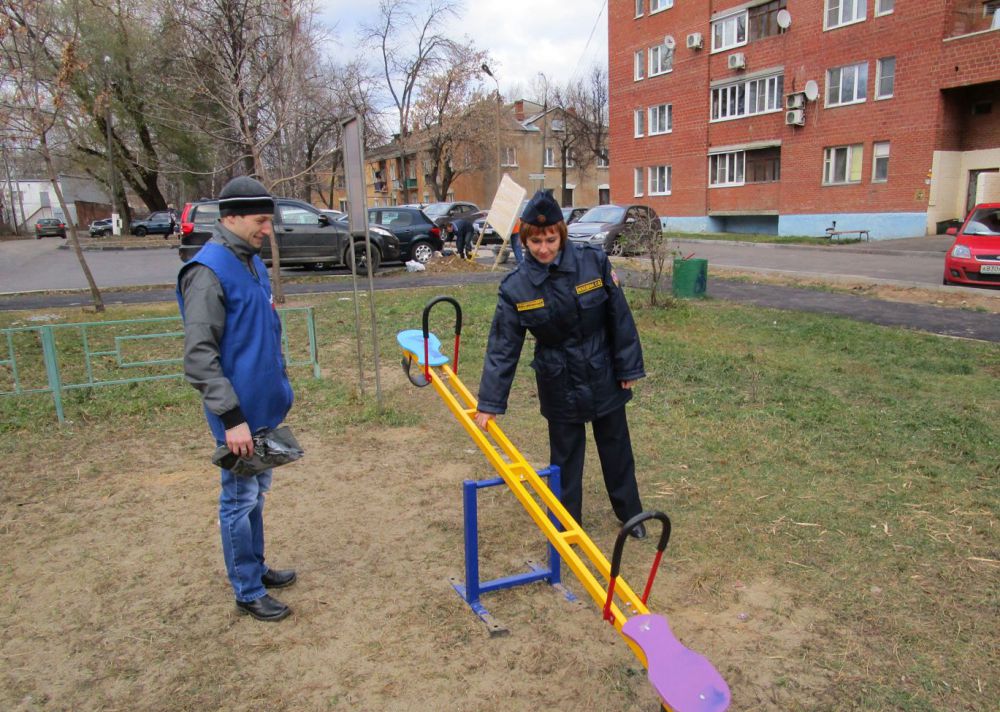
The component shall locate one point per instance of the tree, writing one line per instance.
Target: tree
(408, 56)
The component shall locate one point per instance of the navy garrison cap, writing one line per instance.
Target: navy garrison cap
(245, 196)
(542, 210)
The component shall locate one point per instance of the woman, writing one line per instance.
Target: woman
(587, 355)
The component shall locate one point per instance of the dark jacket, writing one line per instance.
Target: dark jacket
(586, 340)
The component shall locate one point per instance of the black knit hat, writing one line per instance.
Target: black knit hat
(245, 196)
(542, 210)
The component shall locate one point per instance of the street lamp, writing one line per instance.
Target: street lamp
(486, 69)
(115, 225)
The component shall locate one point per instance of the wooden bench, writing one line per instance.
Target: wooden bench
(861, 234)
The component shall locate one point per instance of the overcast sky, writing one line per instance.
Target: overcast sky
(524, 37)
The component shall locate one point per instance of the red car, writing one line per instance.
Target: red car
(975, 257)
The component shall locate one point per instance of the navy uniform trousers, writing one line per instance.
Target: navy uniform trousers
(567, 445)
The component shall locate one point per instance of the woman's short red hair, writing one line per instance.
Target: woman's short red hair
(529, 230)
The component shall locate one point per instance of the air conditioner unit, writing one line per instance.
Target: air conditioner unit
(795, 117)
(795, 101)
(737, 60)
(695, 41)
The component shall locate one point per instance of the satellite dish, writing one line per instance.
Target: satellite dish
(784, 19)
(811, 90)
(669, 42)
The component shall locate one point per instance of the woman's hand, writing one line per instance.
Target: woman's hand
(483, 419)
(627, 385)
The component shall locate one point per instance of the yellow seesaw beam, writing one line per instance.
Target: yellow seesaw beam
(523, 480)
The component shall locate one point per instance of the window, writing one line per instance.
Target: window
(729, 32)
(763, 19)
(602, 158)
(640, 123)
(661, 60)
(638, 7)
(660, 119)
(880, 162)
(843, 12)
(638, 183)
(659, 180)
(343, 205)
(763, 166)
(726, 168)
(885, 77)
(884, 7)
(745, 98)
(509, 156)
(842, 164)
(847, 85)
(291, 215)
(640, 65)
(550, 157)
(657, 5)
(570, 161)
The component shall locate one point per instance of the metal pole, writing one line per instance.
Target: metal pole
(545, 123)
(115, 229)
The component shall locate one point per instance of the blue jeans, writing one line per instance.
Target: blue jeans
(241, 521)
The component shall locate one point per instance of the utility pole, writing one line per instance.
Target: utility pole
(10, 189)
(486, 69)
(545, 123)
(115, 225)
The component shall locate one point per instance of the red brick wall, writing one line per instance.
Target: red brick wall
(916, 120)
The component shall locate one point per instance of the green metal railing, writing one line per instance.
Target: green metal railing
(95, 353)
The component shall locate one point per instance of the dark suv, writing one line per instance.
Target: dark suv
(161, 222)
(441, 213)
(419, 238)
(305, 236)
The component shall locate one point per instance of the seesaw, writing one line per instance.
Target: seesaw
(684, 679)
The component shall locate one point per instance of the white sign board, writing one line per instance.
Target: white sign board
(506, 208)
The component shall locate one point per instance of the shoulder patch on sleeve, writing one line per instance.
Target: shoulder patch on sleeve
(614, 278)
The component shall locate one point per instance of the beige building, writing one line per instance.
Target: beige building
(534, 149)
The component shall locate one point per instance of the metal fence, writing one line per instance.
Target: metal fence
(56, 358)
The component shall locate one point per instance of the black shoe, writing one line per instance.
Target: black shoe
(638, 531)
(264, 608)
(278, 579)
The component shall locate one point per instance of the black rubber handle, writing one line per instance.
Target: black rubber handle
(616, 558)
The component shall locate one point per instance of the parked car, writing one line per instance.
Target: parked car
(50, 227)
(619, 229)
(419, 238)
(571, 215)
(162, 222)
(974, 258)
(440, 213)
(101, 228)
(306, 236)
(490, 237)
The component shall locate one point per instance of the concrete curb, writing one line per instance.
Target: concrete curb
(820, 248)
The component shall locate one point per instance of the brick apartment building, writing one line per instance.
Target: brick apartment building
(783, 116)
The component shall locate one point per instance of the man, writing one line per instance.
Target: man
(464, 235)
(232, 355)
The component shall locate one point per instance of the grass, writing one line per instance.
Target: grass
(851, 465)
(758, 237)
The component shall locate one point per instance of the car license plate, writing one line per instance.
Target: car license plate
(989, 269)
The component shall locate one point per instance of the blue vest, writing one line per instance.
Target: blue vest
(251, 343)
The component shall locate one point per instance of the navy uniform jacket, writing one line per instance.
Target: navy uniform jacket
(586, 340)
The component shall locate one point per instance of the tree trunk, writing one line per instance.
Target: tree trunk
(47, 157)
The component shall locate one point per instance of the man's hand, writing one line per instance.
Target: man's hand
(483, 419)
(239, 440)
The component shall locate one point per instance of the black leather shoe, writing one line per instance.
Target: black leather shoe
(275, 578)
(264, 608)
(638, 531)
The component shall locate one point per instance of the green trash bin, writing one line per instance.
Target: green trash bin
(690, 278)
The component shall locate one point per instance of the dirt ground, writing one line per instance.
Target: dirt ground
(115, 596)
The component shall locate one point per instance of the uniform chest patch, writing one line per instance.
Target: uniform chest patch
(528, 306)
(589, 286)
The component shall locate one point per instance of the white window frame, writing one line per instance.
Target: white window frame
(859, 12)
(638, 182)
(570, 160)
(880, 7)
(659, 56)
(639, 7)
(661, 119)
(733, 100)
(730, 24)
(879, 75)
(880, 151)
(509, 156)
(639, 123)
(655, 173)
(602, 162)
(860, 97)
(550, 157)
(727, 170)
(656, 6)
(639, 70)
(830, 164)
